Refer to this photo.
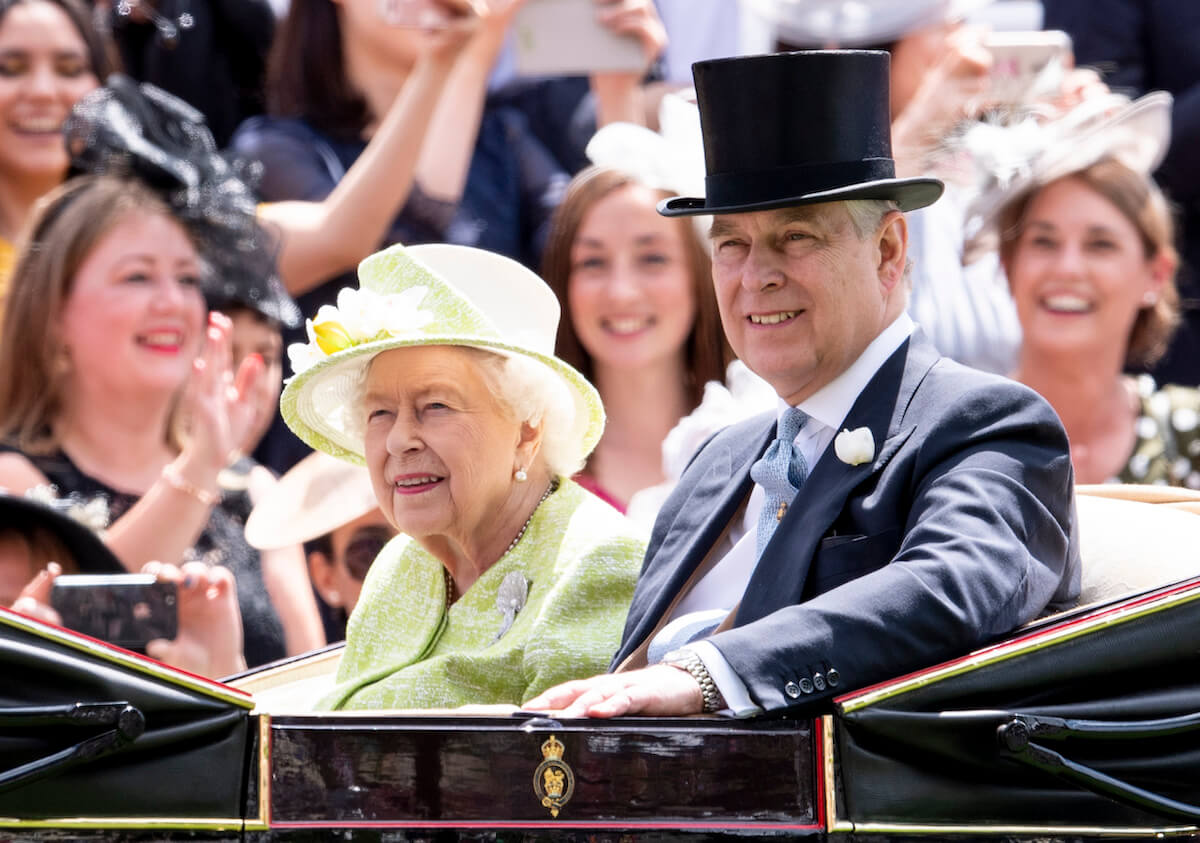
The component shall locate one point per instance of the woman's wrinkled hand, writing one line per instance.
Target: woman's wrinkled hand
(209, 637)
(34, 599)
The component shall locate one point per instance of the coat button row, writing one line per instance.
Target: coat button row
(818, 682)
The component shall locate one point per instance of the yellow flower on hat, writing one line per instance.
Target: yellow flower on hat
(330, 336)
(361, 316)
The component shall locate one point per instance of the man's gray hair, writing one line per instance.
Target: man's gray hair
(865, 217)
(867, 214)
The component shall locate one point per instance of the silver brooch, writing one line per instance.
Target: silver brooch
(510, 599)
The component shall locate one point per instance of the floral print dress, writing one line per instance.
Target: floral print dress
(1167, 450)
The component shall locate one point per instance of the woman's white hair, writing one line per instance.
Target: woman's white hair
(535, 395)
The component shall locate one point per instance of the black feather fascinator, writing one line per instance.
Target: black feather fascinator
(143, 132)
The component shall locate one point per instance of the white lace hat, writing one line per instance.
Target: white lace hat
(435, 294)
(1013, 160)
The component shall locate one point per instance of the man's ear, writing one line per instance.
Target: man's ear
(892, 242)
(320, 569)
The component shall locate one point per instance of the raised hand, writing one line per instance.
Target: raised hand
(219, 404)
(618, 93)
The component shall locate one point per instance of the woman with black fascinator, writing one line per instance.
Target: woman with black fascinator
(115, 381)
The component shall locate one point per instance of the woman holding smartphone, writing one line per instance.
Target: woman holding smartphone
(117, 384)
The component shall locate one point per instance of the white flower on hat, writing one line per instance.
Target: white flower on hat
(400, 313)
(361, 316)
(855, 447)
(303, 355)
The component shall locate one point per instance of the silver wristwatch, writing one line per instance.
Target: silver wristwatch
(687, 660)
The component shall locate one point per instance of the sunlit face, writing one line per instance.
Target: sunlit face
(1078, 271)
(44, 69)
(440, 448)
(630, 293)
(800, 295)
(135, 316)
(253, 335)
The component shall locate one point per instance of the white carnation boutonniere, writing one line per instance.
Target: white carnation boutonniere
(855, 447)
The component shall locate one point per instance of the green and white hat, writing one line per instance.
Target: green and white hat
(435, 294)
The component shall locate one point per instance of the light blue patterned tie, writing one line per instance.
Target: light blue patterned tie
(781, 472)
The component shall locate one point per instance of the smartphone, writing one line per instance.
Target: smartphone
(1026, 65)
(562, 38)
(123, 609)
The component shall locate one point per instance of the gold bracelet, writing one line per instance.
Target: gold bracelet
(177, 481)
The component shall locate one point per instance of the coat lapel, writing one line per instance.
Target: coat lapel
(715, 497)
(881, 407)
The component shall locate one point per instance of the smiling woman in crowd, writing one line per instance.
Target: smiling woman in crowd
(508, 577)
(50, 56)
(1087, 243)
(639, 315)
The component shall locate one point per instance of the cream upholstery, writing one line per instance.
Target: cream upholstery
(1134, 538)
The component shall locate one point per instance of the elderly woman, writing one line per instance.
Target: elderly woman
(507, 577)
(1086, 240)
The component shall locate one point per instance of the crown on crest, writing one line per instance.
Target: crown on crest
(552, 749)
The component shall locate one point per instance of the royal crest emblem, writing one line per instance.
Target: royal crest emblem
(553, 781)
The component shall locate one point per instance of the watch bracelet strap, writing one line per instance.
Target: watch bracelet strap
(691, 662)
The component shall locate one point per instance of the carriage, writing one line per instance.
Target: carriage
(1084, 725)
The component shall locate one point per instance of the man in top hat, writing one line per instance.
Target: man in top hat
(898, 509)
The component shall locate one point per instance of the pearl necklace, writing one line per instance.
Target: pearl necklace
(549, 491)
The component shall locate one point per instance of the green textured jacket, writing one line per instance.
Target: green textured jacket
(580, 558)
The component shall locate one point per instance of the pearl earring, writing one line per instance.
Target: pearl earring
(1150, 299)
(520, 476)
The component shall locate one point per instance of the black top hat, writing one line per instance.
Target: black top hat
(790, 129)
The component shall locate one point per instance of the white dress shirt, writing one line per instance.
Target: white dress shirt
(723, 586)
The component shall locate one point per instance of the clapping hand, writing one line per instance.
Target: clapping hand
(219, 402)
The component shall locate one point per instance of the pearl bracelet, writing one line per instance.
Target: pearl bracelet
(180, 483)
